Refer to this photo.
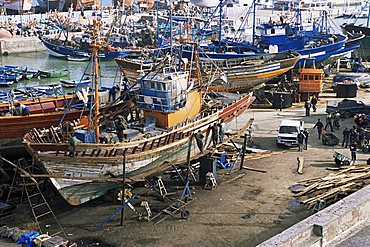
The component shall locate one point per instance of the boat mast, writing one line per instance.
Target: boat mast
(368, 13)
(220, 31)
(254, 22)
(96, 45)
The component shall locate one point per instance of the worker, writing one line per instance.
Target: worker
(281, 102)
(221, 130)
(72, 143)
(329, 119)
(307, 106)
(300, 138)
(319, 125)
(25, 111)
(362, 137)
(346, 134)
(112, 93)
(306, 134)
(250, 131)
(336, 118)
(199, 139)
(353, 135)
(353, 149)
(215, 134)
(314, 102)
(120, 123)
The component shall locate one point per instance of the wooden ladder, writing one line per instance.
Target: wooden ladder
(38, 204)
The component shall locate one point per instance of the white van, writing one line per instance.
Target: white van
(288, 132)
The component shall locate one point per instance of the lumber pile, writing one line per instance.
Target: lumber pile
(333, 186)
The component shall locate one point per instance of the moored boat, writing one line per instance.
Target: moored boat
(364, 49)
(5, 83)
(75, 83)
(244, 74)
(57, 49)
(54, 73)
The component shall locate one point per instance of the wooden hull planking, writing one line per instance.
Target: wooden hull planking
(142, 157)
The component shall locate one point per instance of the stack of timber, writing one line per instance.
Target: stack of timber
(333, 186)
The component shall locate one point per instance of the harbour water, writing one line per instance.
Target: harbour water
(42, 61)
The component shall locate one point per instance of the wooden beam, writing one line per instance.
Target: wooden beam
(254, 169)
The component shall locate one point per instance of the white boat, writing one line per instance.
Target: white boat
(205, 3)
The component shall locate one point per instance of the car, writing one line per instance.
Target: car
(288, 132)
(347, 107)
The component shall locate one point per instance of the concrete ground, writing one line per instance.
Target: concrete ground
(242, 212)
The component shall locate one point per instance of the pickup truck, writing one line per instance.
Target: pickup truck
(347, 107)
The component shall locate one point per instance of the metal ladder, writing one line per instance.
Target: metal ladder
(39, 206)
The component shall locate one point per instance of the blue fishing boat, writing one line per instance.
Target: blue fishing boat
(75, 83)
(56, 48)
(4, 83)
(311, 41)
(49, 89)
(10, 77)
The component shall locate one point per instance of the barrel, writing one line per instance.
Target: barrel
(282, 99)
(346, 90)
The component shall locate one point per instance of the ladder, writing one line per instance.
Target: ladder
(38, 204)
(211, 180)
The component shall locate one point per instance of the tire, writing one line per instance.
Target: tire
(337, 161)
(346, 114)
(185, 214)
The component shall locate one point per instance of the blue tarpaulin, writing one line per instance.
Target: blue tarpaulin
(28, 238)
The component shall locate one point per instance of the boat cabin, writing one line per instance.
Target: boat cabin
(168, 97)
(310, 82)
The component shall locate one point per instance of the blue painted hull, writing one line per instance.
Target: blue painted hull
(63, 52)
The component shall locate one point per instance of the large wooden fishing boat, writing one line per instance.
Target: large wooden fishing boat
(228, 75)
(244, 74)
(171, 113)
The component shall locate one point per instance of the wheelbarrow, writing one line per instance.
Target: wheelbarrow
(330, 139)
(341, 159)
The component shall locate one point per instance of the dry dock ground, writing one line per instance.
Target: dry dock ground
(240, 212)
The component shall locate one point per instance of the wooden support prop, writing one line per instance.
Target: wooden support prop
(254, 169)
(300, 161)
(22, 171)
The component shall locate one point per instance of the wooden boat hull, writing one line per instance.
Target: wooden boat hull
(244, 74)
(133, 68)
(364, 49)
(143, 157)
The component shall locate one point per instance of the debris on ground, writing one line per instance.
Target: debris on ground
(332, 187)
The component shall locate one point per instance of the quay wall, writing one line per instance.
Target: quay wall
(330, 226)
(20, 45)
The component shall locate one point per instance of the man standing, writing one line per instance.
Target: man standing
(307, 106)
(215, 134)
(306, 134)
(221, 130)
(353, 149)
(314, 102)
(301, 137)
(346, 133)
(329, 122)
(199, 139)
(319, 125)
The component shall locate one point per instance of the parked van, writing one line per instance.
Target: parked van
(288, 132)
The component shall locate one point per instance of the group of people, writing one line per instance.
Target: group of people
(217, 135)
(332, 121)
(352, 137)
(302, 139)
(310, 103)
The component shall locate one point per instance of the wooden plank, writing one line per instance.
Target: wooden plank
(300, 161)
(254, 169)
